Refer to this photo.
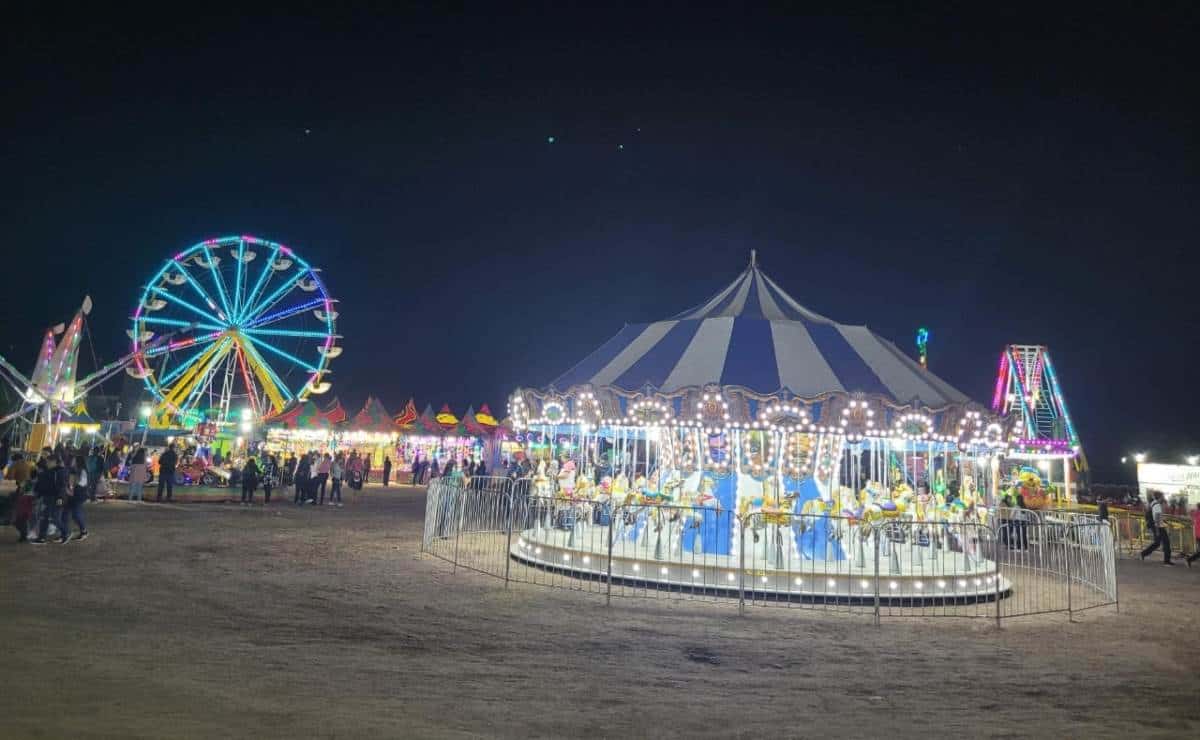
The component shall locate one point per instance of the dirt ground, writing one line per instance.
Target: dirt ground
(211, 620)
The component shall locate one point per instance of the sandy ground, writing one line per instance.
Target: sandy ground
(211, 620)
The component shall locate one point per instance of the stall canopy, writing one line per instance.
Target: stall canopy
(755, 336)
(427, 422)
(486, 420)
(304, 415)
(335, 413)
(446, 419)
(373, 418)
(407, 417)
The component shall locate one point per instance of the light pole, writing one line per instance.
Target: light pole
(144, 411)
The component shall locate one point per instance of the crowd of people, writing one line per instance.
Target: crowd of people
(50, 491)
(426, 469)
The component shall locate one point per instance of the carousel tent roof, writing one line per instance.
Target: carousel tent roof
(754, 335)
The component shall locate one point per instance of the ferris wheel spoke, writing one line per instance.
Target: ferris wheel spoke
(289, 357)
(183, 344)
(285, 313)
(250, 387)
(192, 381)
(180, 302)
(273, 387)
(287, 333)
(216, 277)
(279, 293)
(183, 366)
(178, 323)
(201, 291)
(268, 268)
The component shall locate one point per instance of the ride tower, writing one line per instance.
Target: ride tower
(1028, 396)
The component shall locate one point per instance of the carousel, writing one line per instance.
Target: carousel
(752, 428)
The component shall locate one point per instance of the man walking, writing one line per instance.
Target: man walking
(166, 472)
(51, 488)
(1161, 539)
(387, 470)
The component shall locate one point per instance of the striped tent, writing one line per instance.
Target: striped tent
(755, 336)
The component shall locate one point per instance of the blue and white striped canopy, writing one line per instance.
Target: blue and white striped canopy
(755, 336)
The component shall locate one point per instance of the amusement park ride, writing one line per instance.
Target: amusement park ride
(262, 338)
(1028, 395)
(214, 341)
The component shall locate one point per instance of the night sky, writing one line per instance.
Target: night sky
(1001, 178)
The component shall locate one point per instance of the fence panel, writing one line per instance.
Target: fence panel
(938, 569)
(560, 543)
(812, 561)
(1025, 563)
(674, 552)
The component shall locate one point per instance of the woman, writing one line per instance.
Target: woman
(137, 473)
(249, 481)
(336, 471)
(270, 472)
(74, 503)
(322, 478)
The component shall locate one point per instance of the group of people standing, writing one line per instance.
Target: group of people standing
(425, 470)
(52, 490)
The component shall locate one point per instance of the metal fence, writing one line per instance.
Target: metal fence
(1019, 563)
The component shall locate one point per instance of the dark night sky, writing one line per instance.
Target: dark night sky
(999, 178)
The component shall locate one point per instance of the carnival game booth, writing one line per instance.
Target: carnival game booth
(371, 432)
(441, 437)
(302, 428)
(750, 421)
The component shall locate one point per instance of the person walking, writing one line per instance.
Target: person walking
(137, 473)
(1161, 538)
(336, 472)
(322, 478)
(1195, 533)
(19, 472)
(79, 487)
(270, 475)
(249, 481)
(387, 470)
(51, 488)
(95, 471)
(416, 469)
(366, 463)
(166, 472)
(303, 472)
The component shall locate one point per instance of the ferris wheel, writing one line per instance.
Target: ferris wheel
(261, 330)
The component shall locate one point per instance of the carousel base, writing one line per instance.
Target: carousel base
(908, 576)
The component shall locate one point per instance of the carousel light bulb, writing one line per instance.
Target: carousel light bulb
(636, 567)
(732, 577)
(864, 583)
(695, 574)
(941, 584)
(799, 581)
(962, 583)
(586, 560)
(893, 585)
(830, 583)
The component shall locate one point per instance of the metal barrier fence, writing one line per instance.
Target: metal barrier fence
(1014, 566)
